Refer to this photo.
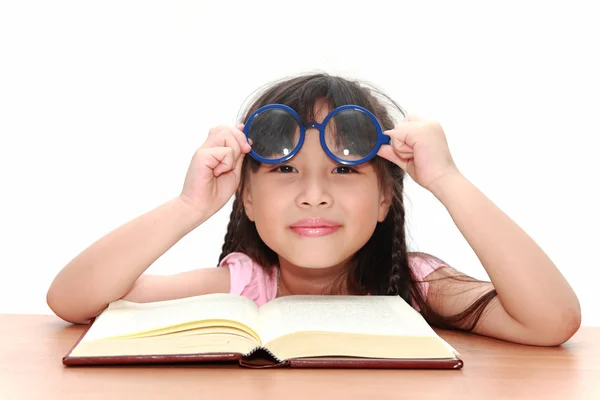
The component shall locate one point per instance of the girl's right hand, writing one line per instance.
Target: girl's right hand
(215, 169)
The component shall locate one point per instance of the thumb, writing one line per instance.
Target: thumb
(390, 154)
(241, 128)
(237, 170)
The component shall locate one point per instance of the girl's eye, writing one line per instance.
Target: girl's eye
(284, 168)
(288, 168)
(344, 170)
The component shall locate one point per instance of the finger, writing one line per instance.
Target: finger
(237, 134)
(214, 156)
(238, 165)
(401, 147)
(213, 137)
(397, 142)
(247, 139)
(390, 154)
(216, 130)
(215, 134)
(241, 137)
(403, 133)
(222, 160)
(226, 138)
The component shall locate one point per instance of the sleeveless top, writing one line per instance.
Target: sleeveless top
(249, 279)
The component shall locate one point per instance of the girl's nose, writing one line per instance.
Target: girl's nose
(313, 192)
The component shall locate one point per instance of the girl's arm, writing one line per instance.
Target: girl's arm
(535, 304)
(109, 269)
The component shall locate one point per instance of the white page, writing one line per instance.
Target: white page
(125, 317)
(382, 315)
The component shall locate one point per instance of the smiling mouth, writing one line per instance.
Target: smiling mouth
(314, 231)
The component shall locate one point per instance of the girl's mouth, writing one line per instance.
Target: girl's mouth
(314, 231)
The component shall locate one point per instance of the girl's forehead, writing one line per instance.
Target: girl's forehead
(320, 110)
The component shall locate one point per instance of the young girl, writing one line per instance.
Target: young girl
(319, 210)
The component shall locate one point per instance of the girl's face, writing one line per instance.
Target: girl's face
(313, 188)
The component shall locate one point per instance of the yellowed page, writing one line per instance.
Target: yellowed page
(379, 315)
(177, 343)
(172, 344)
(127, 318)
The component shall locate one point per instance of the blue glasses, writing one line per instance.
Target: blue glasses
(350, 134)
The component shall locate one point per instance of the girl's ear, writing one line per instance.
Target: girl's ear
(248, 206)
(385, 201)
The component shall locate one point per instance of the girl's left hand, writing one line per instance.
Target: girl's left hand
(420, 148)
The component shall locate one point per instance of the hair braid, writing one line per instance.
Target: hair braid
(399, 273)
(229, 243)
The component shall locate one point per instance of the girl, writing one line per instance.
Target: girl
(319, 210)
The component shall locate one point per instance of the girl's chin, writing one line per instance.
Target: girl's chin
(314, 261)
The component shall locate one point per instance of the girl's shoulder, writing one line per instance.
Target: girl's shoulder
(249, 279)
(423, 264)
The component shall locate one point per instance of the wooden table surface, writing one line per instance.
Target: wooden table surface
(32, 347)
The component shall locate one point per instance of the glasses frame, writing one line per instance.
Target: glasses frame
(381, 137)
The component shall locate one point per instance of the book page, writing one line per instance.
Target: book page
(379, 315)
(124, 317)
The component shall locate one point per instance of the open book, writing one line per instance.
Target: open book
(303, 330)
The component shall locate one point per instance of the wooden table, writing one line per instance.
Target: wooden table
(32, 346)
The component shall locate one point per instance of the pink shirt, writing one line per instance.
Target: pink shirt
(250, 280)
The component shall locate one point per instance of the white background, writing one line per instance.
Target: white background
(102, 105)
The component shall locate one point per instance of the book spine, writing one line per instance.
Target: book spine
(265, 349)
